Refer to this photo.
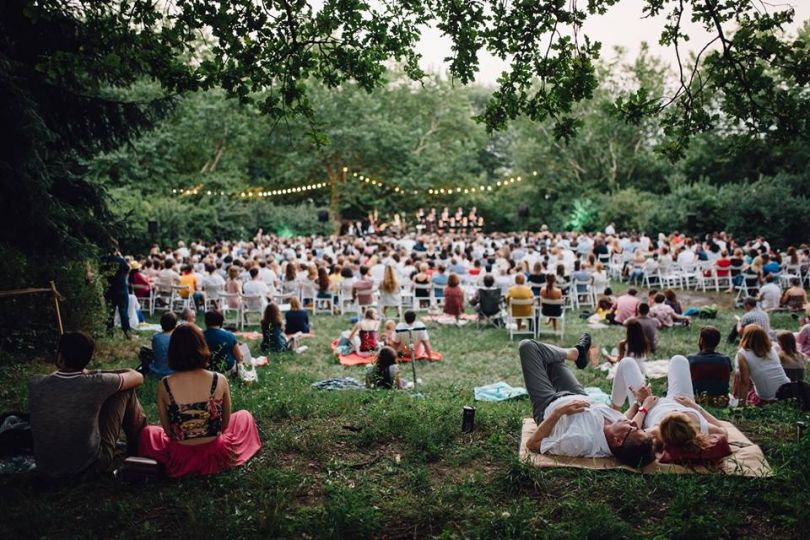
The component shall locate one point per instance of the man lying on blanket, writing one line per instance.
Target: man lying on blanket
(569, 423)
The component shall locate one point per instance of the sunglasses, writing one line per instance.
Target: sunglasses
(629, 431)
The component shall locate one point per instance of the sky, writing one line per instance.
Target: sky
(622, 26)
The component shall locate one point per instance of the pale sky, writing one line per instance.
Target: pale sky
(621, 26)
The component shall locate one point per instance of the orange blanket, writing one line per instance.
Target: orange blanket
(355, 359)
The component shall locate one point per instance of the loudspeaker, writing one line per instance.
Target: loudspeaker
(153, 227)
(323, 216)
(691, 222)
(523, 211)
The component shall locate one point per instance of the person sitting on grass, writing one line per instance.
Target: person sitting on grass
(366, 329)
(759, 372)
(188, 316)
(198, 433)
(626, 306)
(159, 366)
(794, 299)
(77, 415)
(569, 422)
(384, 372)
(274, 339)
(297, 319)
(634, 345)
(793, 360)
(454, 297)
(665, 314)
(421, 340)
(224, 346)
(648, 324)
(710, 370)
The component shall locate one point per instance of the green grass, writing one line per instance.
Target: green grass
(380, 464)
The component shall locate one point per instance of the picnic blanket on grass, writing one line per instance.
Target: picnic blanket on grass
(355, 359)
(499, 391)
(746, 458)
(343, 383)
(656, 369)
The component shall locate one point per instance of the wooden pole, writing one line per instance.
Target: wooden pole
(56, 305)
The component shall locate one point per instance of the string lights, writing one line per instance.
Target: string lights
(260, 193)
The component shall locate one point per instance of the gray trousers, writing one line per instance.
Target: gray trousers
(546, 375)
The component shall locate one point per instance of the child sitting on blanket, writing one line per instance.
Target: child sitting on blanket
(388, 332)
(367, 330)
(421, 340)
(384, 373)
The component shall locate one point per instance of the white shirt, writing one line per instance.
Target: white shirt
(667, 405)
(213, 282)
(168, 277)
(419, 332)
(770, 294)
(255, 287)
(580, 434)
(686, 256)
(268, 276)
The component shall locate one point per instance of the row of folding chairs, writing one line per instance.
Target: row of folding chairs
(533, 324)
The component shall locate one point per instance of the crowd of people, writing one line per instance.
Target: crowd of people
(198, 433)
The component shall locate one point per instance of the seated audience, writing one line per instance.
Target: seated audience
(634, 345)
(188, 316)
(793, 361)
(752, 315)
(710, 370)
(366, 329)
(794, 299)
(487, 299)
(233, 286)
(648, 324)
(363, 288)
(519, 291)
(626, 306)
(77, 414)
(664, 313)
(297, 319)
(159, 366)
(256, 287)
(188, 279)
(274, 339)
(141, 287)
(384, 372)
(198, 433)
(550, 292)
(413, 329)
(759, 371)
(537, 278)
(439, 281)
(454, 296)
(770, 294)
(222, 344)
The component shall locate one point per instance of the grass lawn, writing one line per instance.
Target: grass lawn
(381, 464)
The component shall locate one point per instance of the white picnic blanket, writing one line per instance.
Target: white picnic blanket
(656, 369)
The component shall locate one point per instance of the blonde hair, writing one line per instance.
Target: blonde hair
(679, 431)
(756, 340)
(295, 305)
(389, 283)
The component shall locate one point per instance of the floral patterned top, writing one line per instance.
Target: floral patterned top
(194, 420)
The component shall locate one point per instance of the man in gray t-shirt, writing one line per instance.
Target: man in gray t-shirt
(77, 416)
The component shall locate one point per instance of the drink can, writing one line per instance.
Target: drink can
(467, 419)
(800, 427)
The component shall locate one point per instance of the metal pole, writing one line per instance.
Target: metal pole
(56, 305)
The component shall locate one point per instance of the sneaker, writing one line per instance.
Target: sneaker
(301, 349)
(583, 346)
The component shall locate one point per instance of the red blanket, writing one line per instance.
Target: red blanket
(355, 359)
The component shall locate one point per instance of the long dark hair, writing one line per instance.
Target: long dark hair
(323, 280)
(272, 316)
(635, 339)
(386, 358)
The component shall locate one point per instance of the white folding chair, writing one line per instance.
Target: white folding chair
(177, 302)
(546, 306)
(163, 297)
(423, 301)
(212, 296)
(749, 286)
(251, 304)
(437, 300)
(583, 292)
(513, 320)
(323, 304)
(230, 304)
(147, 302)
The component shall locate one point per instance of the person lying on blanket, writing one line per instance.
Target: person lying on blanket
(650, 412)
(421, 340)
(569, 423)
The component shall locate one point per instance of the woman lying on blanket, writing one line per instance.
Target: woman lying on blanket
(384, 373)
(367, 330)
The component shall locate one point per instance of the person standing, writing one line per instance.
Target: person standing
(117, 271)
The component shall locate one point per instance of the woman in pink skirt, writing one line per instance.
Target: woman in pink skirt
(199, 435)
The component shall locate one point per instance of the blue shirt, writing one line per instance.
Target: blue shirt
(297, 321)
(439, 281)
(221, 342)
(160, 352)
(771, 268)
